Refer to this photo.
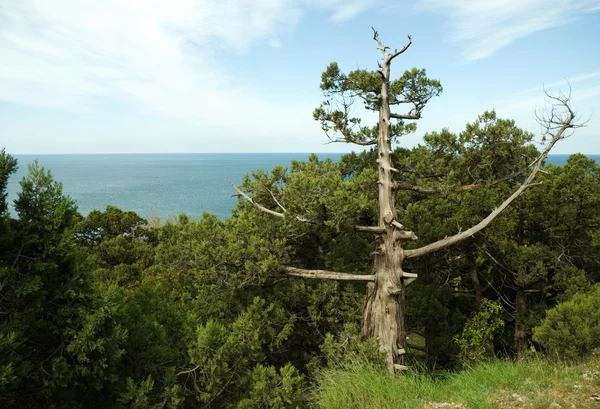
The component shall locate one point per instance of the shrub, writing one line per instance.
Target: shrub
(572, 328)
(476, 340)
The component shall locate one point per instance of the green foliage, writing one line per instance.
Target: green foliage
(225, 357)
(476, 340)
(413, 88)
(348, 349)
(8, 166)
(111, 223)
(42, 289)
(41, 206)
(491, 147)
(272, 389)
(572, 328)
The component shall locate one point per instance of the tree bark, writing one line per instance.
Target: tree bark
(384, 307)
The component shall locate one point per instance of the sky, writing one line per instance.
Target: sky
(154, 76)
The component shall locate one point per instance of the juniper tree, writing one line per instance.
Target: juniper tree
(399, 103)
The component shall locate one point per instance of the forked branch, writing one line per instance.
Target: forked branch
(255, 203)
(262, 208)
(559, 111)
(387, 57)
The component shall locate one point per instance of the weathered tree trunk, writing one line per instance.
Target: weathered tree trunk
(384, 307)
(520, 334)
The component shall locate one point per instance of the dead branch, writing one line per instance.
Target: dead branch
(188, 371)
(398, 52)
(386, 56)
(371, 229)
(254, 203)
(275, 199)
(324, 274)
(414, 116)
(559, 110)
(353, 140)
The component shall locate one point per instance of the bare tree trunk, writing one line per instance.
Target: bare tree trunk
(384, 307)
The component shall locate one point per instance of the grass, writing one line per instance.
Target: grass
(533, 383)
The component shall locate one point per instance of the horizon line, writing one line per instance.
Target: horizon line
(223, 153)
(171, 153)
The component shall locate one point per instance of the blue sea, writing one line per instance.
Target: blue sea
(161, 185)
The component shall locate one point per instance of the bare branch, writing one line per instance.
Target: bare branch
(354, 141)
(254, 203)
(406, 275)
(366, 229)
(382, 47)
(264, 209)
(405, 116)
(555, 114)
(448, 241)
(559, 109)
(324, 274)
(275, 199)
(397, 224)
(370, 229)
(386, 56)
(407, 235)
(398, 52)
(187, 371)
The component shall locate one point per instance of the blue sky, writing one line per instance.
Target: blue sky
(122, 76)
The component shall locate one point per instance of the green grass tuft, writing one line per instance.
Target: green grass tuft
(532, 383)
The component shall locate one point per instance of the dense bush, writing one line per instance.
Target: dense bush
(572, 328)
(476, 340)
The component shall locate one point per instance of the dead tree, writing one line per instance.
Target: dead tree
(384, 311)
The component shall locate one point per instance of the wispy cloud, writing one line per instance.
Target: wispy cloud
(160, 55)
(558, 85)
(484, 27)
(343, 10)
(57, 53)
(585, 93)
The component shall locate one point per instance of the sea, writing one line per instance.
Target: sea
(161, 185)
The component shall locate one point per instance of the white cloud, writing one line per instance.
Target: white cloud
(161, 56)
(484, 27)
(345, 10)
(153, 52)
